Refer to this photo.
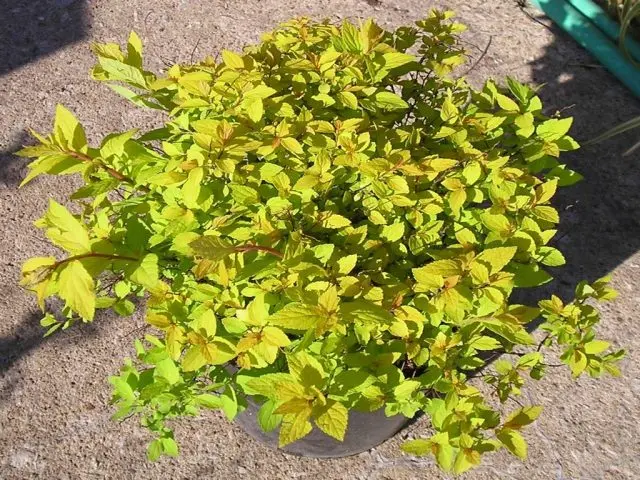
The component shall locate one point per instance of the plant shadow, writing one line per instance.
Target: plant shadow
(28, 336)
(600, 216)
(35, 28)
(12, 167)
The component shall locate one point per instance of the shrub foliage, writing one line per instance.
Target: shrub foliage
(338, 218)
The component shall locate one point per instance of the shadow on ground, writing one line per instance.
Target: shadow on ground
(29, 335)
(13, 167)
(30, 30)
(34, 28)
(600, 216)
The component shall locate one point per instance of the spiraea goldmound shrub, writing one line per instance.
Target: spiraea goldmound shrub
(338, 218)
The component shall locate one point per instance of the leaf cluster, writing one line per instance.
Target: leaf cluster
(327, 221)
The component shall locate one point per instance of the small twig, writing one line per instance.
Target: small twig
(111, 171)
(482, 55)
(194, 50)
(260, 248)
(92, 255)
(541, 344)
(522, 4)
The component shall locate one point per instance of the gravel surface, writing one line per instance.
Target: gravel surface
(54, 417)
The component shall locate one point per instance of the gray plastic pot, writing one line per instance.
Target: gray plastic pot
(365, 430)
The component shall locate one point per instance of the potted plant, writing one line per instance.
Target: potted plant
(325, 235)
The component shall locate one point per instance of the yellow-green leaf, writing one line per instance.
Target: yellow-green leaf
(296, 316)
(507, 104)
(275, 336)
(333, 419)
(389, 101)
(77, 288)
(347, 263)
(522, 417)
(333, 220)
(514, 442)
(443, 268)
(146, 271)
(497, 258)
(232, 59)
(254, 108)
(293, 428)
(392, 233)
(292, 145)
(596, 346)
(67, 130)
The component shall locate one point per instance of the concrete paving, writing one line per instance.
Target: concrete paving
(54, 418)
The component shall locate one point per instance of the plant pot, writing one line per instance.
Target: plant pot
(365, 430)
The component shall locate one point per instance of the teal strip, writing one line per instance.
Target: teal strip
(605, 23)
(593, 39)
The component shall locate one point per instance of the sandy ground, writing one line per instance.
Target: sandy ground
(54, 417)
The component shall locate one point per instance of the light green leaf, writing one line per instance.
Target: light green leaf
(546, 213)
(211, 248)
(554, 129)
(77, 288)
(347, 263)
(595, 347)
(191, 188)
(169, 446)
(348, 99)
(193, 359)
(267, 418)
(365, 311)
(578, 362)
(472, 172)
(529, 275)
(448, 111)
(551, 257)
(505, 103)
(154, 450)
(229, 403)
(389, 101)
(457, 199)
(443, 268)
(293, 428)
(496, 222)
(134, 50)
(397, 59)
(419, 447)
(146, 271)
(67, 130)
(168, 370)
(67, 230)
(122, 72)
(306, 369)
(243, 194)
(232, 59)
(208, 400)
(260, 91)
(292, 145)
(484, 343)
(296, 316)
(514, 442)
(333, 220)
(254, 108)
(392, 233)
(113, 145)
(496, 258)
(522, 417)
(332, 419)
